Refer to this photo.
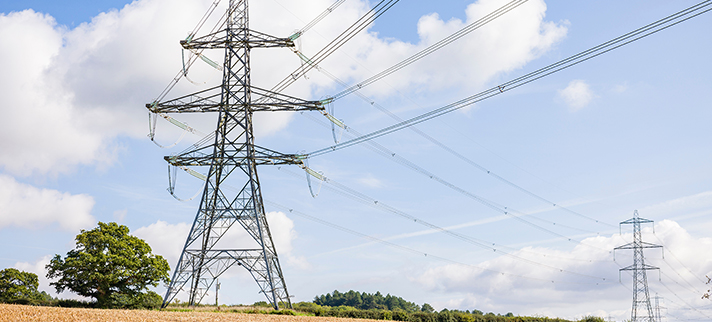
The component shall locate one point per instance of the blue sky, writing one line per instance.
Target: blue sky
(624, 131)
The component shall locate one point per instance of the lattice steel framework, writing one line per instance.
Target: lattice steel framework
(642, 310)
(232, 154)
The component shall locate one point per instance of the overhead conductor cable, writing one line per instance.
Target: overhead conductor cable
(363, 22)
(625, 39)
(434, 47)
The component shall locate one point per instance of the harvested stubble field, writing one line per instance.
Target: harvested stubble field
(9, 312)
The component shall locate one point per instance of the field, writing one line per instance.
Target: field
(9, 312)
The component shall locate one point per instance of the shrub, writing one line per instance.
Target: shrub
(283, 312)
(400, 316)
(75, 303)
(591, 319)
(262, 304)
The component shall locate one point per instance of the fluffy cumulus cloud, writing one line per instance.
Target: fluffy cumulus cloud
(503, 45)
(39, 267)
(576, 95)
(540, 280)
(40, 130)
(26, 206)
(72, 91)
(167, 239)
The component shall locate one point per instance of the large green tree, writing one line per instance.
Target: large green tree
(109, 265)
(17, 285)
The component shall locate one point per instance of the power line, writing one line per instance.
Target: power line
(475, 25)
(350, 193)
(451, 151)
(680, 285)
(383, 109)
(218, 26)
(432, 48)
(316, 20)
(677, 259)
(335, 44)
(408, 249)
(517, 215)
(487, 245)
(692, 288)
(583, 56)
(683, 301)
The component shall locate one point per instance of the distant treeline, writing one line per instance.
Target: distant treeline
(353, 304)
(442, 316)
(366, 301)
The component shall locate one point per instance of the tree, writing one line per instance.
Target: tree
(109, 265)
(17, 285)
(427, 308)
(365, 301)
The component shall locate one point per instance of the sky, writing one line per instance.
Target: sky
(570, 156)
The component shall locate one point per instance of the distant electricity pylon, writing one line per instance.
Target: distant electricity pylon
(642, 310)
(658, 316)
(232, 154)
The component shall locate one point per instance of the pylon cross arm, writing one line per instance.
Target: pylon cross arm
(641, 267)
(266, 100)
(207, 100)
(221, 39)
(636, 220)
(631, 246)
(261, 156)
(210, 100)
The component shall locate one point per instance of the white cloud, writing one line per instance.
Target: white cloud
(576, 95)
(26, 206)
(283, 233)
(682, 206)
(536, 293)
(71, 92)
(370, 181)
(39, 130)
(38, 268)
(168, 240)
(119, 215)
(282, 229)
(165, 239)
(503, 45)
(620, 88)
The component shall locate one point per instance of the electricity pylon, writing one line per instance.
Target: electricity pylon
(232, 154)
(658, 316)
(641, 295)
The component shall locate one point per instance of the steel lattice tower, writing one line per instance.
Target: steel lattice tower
(658, 316)
(641, 295)
(232, 154)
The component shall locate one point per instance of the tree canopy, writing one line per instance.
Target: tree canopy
(109, 265)
(16, 285)
(366, 301)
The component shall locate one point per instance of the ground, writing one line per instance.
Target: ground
(28, 313)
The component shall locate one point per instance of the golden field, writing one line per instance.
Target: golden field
(9, 312)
